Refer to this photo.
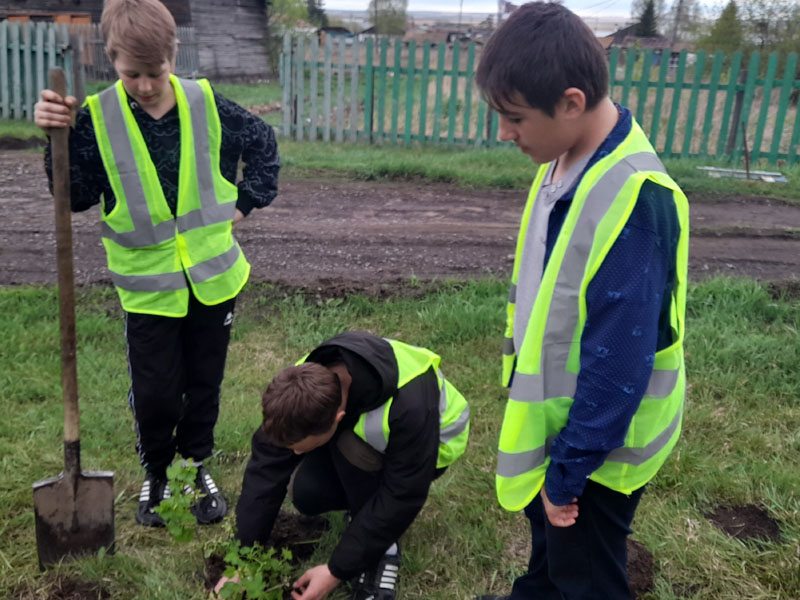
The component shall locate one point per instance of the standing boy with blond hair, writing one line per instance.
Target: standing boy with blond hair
(162, 154)
(593, 352)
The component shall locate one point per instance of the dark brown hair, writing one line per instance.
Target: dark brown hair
(539, 52)
(142, 29)
(300, 401)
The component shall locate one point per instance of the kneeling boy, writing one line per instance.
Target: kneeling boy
(361, 424)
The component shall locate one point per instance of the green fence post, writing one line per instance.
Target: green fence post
(612, 70)
(340, 75)
(786, 89)
(27, 77)
(16, 70)
(493, 126)
(662, 86)
(791, 156)
(437, 107)
(299, 85)
(410, 81)
(468, 92)
(368, 91)
(313, 92)
(396, 76)
(327, 91)
(711, 101)
(452, 107)
(644, 86)
(354, 80)
(690, 117)
(676, 102)
(423, 101)
(41, 82)
(479, 125)
(382, 89)
(769, 81)
(730, 96)
(286, 91)
(630, 61)
(749, 92)
(51, 47)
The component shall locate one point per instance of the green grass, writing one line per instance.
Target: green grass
(740, 442)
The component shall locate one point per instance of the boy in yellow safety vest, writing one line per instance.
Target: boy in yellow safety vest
(361, 424)
(162, 155)
(593, 352)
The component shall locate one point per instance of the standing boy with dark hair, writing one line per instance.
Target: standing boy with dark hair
(593, 351)
(163, 155)
(363, 425)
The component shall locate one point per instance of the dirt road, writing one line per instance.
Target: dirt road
(323, 232)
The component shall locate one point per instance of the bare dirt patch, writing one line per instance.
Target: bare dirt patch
(323, 233)
(745, 522)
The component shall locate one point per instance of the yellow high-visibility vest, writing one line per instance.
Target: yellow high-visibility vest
(154, 256)
(545, 368)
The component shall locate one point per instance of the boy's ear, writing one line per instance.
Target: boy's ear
(573, 103)
(339, 415)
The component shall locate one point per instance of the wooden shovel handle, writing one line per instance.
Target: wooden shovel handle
(59, 139)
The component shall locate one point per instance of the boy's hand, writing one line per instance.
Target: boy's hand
(223, 580)
(560, 516)
(314, 584)
(237, 216)
(54, 111)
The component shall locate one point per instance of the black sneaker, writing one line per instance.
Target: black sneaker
(211, 507)
(379, 583)
(154, 490)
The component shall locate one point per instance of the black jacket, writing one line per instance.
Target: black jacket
(409, 460)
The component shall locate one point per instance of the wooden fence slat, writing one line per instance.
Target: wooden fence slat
(313, 92)
(612, 70)
(437, 107)
(382, 88)
(300, 72)
(423, 102)
(468, 92)
(41, 82)
(369, 90)
(769, 81)
(493, 126)
(786, 89)
(340, 74)
(354, 81)
(326, 99)
(286, 98)
(16, 71)
(711, 102)
(397, 74)
(733, 79)
(481, 120)
(644, 86)
(688, 130)
(410, 83)
(660, 89)
(749, 92)
(630, 62)
(452, 107)
(51, 48)
(676, 102)
(5, 108)
(791, 156)
(27, 69)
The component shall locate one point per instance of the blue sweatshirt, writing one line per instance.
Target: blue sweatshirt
(627, 321)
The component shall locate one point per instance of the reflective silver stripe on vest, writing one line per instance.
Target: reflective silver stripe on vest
(514, 464)
(373, 428)
(132, 239)
(143, 233)
(214, 266)
(458, 426)
(518, 463)
(636, 456)
(211, 215)
(163, 282)
(202, 146)
(564, 305)
(512, 293)
(560, 384)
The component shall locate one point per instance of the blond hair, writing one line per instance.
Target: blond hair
(142, 29)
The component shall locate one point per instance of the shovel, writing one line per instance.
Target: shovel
(74, 511)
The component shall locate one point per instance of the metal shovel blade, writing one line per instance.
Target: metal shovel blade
(74, 514)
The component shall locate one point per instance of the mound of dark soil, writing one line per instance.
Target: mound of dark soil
(640, 569)
(745, 522)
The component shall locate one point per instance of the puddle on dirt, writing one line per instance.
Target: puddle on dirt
(745, 522)
(64, 588)
(640, 569)
(296, 532)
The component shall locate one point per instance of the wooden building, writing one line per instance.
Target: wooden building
(230, 35)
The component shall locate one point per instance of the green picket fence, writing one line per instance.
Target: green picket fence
(385, 91)
(27, 52)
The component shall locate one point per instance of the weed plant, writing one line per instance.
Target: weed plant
(740, 442)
